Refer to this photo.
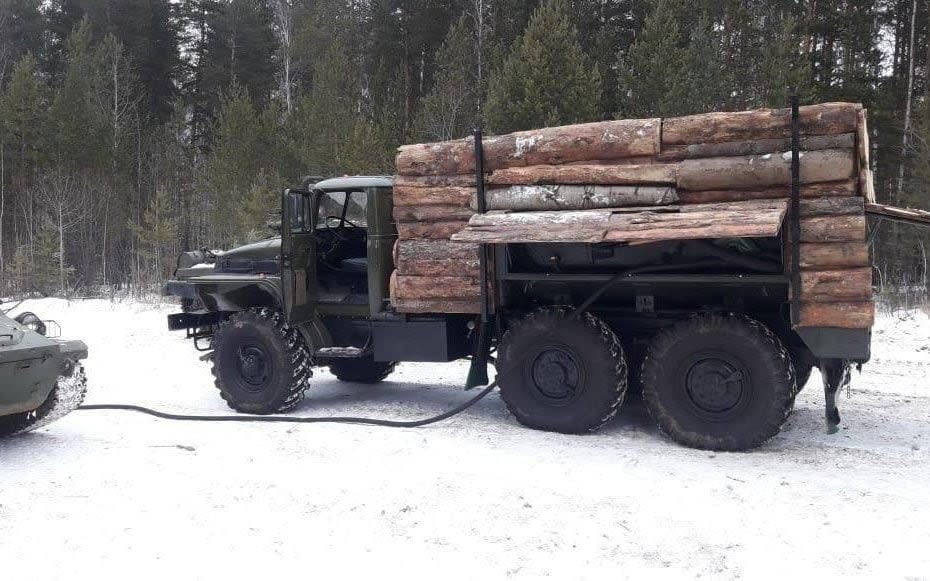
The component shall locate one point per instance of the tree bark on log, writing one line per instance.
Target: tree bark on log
(832, 286)
(823, 119)
(606, 140)
(836, 255)
(431, 213)
(437, 258)
(811, 208)
(435, 287)
(415, 306)
(561, 197)
(429, 230)
(755, 147)
(611, 175)
(764, 170)
(852, 315)
(433, 196)
(840, 188)
(833, 229)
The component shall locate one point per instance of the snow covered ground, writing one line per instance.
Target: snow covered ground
(112, 494)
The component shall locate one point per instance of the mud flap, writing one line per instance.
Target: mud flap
(836, 375)
(478, 371)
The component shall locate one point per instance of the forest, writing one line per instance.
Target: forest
(131, 130)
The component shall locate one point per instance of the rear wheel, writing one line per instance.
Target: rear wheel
(718, 382)
(561, 372)
(365, 370)
(261, 365)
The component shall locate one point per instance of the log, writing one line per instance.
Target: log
(852, 315)
(832, 207)
(772, 169)
(833, 229)
(835, 255)
(431, 213)
(421, 306)
(649, 226)
(840, 188)
(429, 230)
(437, 258)
(433, 196)
(443, 181)
(755, 147)
(832, 286)
(611, 175)
(606, 140)
(561, 197)
(435, 287)
(864, 148)
(823, 119)
(564, 226)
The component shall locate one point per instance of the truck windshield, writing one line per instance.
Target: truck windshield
(338, 209)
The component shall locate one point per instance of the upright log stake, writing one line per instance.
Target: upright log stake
(478, 372)
(795, 210)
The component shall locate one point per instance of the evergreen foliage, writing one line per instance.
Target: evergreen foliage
(174, 115)
(547, 80)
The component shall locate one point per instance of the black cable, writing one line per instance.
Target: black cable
(295, 420)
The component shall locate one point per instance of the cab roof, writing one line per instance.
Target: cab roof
(354, 183)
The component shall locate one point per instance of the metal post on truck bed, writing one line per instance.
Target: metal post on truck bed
(794, 272)
(478, 372)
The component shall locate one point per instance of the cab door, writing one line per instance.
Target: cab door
(298, 257)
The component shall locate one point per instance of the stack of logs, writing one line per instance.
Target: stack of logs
(700, 159)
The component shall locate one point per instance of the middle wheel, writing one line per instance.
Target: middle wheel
(561, 371)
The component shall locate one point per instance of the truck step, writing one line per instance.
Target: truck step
(342, 353)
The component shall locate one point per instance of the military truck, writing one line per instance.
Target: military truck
(706, 315)
(41, 378)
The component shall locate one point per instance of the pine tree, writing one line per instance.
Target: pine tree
(156, 237)
(547, 80)
(450, 109)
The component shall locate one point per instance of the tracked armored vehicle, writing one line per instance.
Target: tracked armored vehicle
(41, 378)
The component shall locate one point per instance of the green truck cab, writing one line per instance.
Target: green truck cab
(41, 378)
(571, 327)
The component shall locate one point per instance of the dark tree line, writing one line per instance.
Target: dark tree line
(132, 129)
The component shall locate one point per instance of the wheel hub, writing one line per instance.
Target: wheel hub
(253, 366)
(556, 376)
(715, 385)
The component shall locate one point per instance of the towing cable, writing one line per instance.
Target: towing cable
(292, 419)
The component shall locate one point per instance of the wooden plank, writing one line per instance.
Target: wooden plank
(772, 169)
(649, 226)
(755, 147)
(864, 147)
(586, 175)
(568, 197)
(815, 190)
(833, 229)
(605, 140)
(567, 226)
(823, 119)
(747, 219)
(837, 286)
(907, 214)
(851, 315)
(834, 255)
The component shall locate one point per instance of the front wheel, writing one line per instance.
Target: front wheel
(260, 364)
(718, 382)
(561, 371)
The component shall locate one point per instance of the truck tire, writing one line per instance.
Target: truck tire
(365, 370)
(561, 372)
(65, 397)
(260, 364)
(718, 382)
